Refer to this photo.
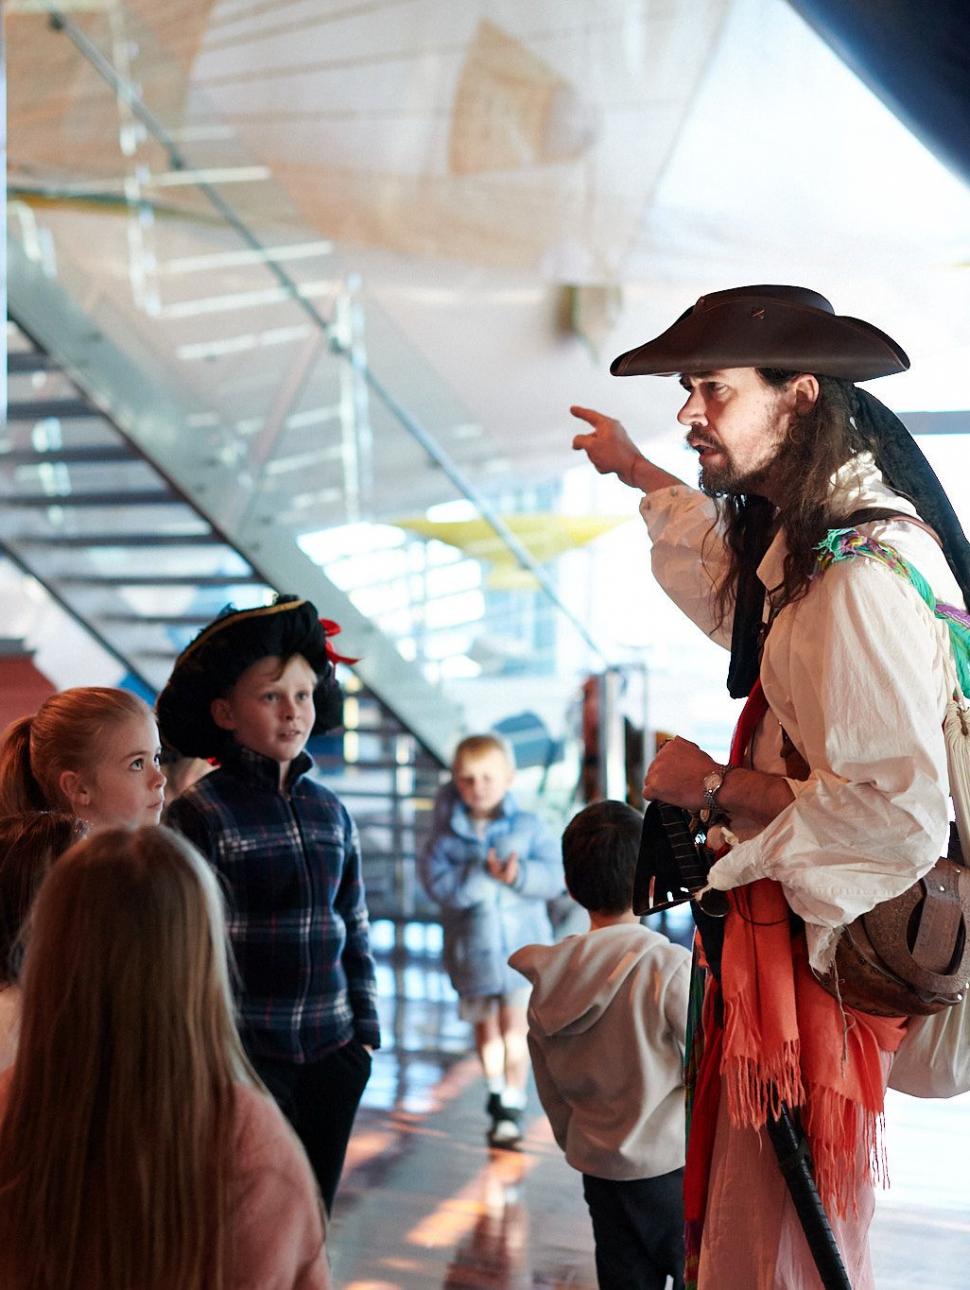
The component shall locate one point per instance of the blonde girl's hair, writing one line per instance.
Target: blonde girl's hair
(117, 1142)
(65, 733)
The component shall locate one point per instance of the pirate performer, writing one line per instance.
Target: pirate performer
(836, 795)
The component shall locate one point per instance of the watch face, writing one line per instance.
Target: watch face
(712, 781)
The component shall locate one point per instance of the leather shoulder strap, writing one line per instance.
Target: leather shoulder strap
(869, 514)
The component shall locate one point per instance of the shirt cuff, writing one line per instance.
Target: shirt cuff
(663, 499)
(368, 1031)
(736, 869)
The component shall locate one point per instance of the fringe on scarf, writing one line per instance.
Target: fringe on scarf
(834, 1125)
(756, 1088)
(836, 1128)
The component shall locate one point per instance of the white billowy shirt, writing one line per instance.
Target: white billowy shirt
(854, 672)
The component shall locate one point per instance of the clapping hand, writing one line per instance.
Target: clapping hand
(506, 870)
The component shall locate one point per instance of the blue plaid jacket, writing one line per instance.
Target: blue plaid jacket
(290, 867)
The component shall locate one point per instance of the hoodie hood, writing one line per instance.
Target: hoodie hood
(574, 982)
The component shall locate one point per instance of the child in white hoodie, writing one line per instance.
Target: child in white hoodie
(607, 1019)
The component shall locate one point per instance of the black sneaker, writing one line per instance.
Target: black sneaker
(493, 1107)
(506, 1130)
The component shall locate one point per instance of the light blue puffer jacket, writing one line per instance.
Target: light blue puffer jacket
(485, 920)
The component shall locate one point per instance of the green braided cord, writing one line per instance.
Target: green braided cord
(839, 545)
(693, 1056)
(694, 1041)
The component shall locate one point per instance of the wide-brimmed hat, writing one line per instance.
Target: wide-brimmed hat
(213, 662)
(790, 328)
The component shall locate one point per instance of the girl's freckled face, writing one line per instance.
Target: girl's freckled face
(126, 785)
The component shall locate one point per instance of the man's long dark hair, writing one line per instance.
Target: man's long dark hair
(843, 422)
(817, 443)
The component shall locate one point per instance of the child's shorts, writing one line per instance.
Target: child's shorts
(479, 1007)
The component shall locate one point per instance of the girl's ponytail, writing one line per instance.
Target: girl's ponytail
(19, 789)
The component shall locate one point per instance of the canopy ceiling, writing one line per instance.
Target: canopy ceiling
(478, 159)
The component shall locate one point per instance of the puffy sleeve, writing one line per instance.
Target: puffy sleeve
(867, 691)
(452, 871)
(688, 557)
(454, 881)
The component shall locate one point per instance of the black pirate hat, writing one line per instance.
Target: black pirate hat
(790, 328)
(213, 662)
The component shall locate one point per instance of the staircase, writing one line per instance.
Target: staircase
(206, 406)
(120, 503)
(104, 531)
(117, 546)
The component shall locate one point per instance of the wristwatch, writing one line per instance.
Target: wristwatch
(712, 786)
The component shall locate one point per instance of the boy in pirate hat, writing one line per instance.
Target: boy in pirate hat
(836, 793)
(248, 692)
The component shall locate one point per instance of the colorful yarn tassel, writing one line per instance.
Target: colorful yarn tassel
(846, 544)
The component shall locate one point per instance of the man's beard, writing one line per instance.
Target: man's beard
(728, 481)
(731, 480)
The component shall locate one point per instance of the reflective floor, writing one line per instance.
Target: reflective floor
(424, 1204)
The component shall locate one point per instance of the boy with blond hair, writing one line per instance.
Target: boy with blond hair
(249, 691)
(491, 867)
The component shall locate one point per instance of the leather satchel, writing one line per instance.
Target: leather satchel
(910, 956)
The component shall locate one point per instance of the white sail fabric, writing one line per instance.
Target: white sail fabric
(508, 134)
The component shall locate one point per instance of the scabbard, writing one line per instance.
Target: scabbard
(794, 1161)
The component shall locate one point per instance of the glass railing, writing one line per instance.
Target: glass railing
(241, 353)
(101, 529)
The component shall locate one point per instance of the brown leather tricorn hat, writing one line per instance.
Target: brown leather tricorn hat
(766, 326)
